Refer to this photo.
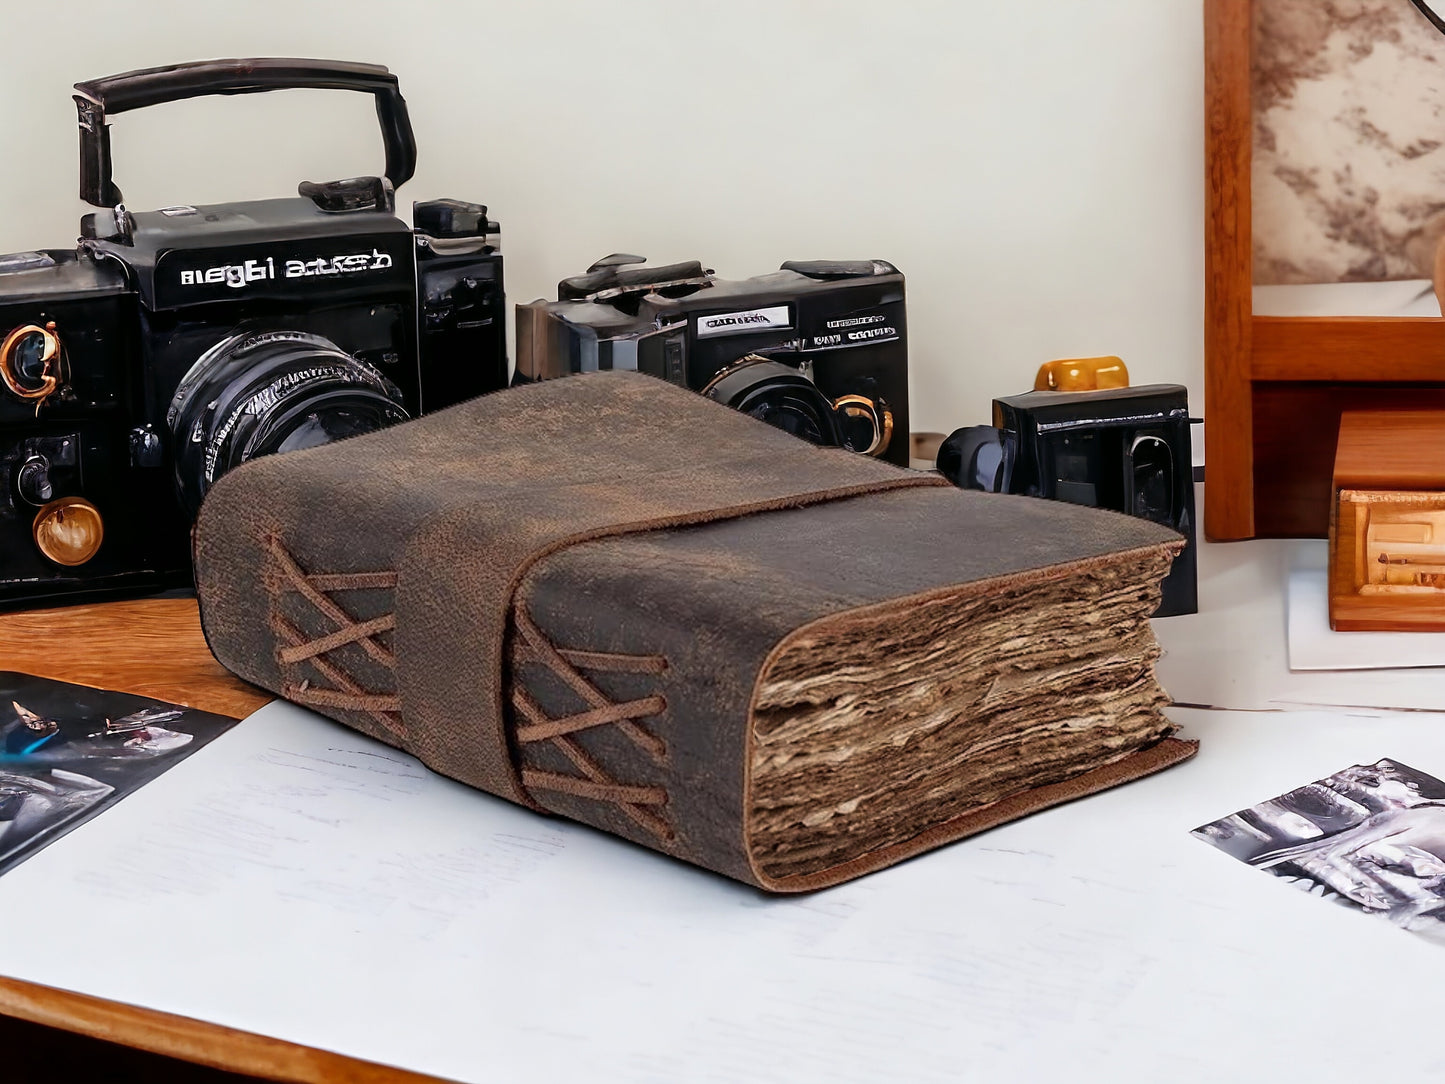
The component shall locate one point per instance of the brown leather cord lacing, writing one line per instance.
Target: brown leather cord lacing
(345, 693)
(638, 803)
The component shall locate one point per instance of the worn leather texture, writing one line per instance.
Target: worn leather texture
(610, 544)
(716, 602)
(441, 517)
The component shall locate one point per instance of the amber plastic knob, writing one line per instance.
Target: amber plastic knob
(1082, 374)
(69, 531)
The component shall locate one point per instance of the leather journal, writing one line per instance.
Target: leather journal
(611, 599)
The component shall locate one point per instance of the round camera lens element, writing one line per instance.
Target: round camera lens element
(68, 531)
(262, 392)
(782, 412)
(779, 395)
(324, 425)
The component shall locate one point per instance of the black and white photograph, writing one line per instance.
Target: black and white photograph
(1370, 837)
(69, 751)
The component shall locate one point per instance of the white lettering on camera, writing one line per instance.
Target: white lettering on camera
(732, 323)
(338, 265)
(860, 337)
(234, 275)
(854, 321)
(237, 275)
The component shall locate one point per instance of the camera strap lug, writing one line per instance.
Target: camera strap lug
(109, 224)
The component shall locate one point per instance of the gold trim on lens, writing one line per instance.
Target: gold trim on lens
(49, 381)
(876, 411)
(68, 531)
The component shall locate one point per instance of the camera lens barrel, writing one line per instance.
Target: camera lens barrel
(779, 395)
(261, 392)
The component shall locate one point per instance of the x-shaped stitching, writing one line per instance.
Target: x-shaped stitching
(346, 694)
(638, 803)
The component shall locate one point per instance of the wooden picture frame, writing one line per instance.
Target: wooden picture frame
(1275, 385)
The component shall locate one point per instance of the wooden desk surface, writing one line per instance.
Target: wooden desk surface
(154, 647)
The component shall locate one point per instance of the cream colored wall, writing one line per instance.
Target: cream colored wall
(1035, 168)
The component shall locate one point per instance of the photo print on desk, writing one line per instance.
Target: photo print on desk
(67, 752)
(1370, 837)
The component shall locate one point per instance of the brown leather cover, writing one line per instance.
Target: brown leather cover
(377, 580)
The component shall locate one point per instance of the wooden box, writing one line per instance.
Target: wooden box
(1387, 523)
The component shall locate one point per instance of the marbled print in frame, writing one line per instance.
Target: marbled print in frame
(1348, 170)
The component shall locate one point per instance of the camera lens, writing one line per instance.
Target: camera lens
(779, 395)
(258, 393)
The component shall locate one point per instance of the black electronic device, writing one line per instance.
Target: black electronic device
(171, 345)
(818, 348)
(1125, 449)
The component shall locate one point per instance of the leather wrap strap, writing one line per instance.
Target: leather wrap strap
(460, 505)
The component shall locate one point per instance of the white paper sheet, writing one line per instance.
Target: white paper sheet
(297, 880)
(1313, 645)
(1234, 652)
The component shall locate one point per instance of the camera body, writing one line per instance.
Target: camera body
(1122, 448)
(818, 348)
(172, 345)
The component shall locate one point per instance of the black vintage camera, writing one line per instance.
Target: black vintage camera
(1121, 448)
(172, 345)
(817, 348)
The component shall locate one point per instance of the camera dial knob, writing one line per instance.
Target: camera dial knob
(33, 480)
(68, 531)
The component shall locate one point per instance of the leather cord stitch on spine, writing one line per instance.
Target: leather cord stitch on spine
(534, 726)
(295, 647)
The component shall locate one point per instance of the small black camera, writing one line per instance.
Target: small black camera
(1121, 448)
(817, 348)
(172, 345)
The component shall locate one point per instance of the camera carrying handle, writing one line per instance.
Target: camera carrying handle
(98, 99)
